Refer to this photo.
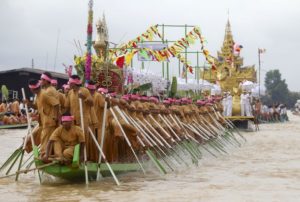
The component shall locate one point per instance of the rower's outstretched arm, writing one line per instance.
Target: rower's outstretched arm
(48, 148)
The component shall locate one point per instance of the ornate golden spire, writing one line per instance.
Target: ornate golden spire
(229, 71)
(227, 48)
(101, 43)
(228, 30)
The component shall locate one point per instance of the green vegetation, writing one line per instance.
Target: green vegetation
(277, 90)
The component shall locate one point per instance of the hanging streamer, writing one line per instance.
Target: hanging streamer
(175, 50)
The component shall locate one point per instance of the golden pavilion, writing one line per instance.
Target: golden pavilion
(229, 71)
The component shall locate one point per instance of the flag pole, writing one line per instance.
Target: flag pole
(259, 72)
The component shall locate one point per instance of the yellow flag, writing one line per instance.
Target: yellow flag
(128, 58)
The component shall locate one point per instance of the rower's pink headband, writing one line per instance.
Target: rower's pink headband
(67, 118)
(113, 94)
(75, 81)
(54, 81)
(45, 77)
(90, 86)
(102, 90)
(34, 86)
(66, 86)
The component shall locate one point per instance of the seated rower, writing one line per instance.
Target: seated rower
(64, 139)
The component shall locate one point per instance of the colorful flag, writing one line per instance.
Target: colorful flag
(190, 69)
(237, 48)
(183, 72)
(120, 61)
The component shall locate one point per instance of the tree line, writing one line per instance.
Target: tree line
(277, 91)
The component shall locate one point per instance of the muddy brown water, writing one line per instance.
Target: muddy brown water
(266, 168)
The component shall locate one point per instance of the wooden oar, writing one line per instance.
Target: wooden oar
(169, 136)
(28, 170)
(191, 152)
(185, 141)
(102, 140)
(188, 136)
(230, 124)
(208, 141)
(11, 158)
(146, 137)
(103, 156)
(166, 144)
(216, 131)
(204, 134)
(155, 141)
(85, 154)
(126, 138)
(26, 137)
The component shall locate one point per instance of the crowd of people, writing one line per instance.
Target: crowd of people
(12, 112)
(296, 110)
(251, 106)
(270, 113)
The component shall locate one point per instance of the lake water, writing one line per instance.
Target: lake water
(266, 168)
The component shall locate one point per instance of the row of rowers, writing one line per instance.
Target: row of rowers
(51, 104)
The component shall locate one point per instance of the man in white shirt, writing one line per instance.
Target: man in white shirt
(243, 103)
(224, 103)
(248, 105)
(229, 104)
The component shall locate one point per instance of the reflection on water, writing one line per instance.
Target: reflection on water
(266, 168)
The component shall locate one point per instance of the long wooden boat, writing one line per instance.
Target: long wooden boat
(16, 126)
(76, 172)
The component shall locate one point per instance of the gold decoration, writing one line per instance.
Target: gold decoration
(229, 72)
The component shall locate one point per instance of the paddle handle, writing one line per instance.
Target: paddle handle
(104, 157)
(84, 152)
(28, 122)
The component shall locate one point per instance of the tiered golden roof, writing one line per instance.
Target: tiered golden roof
(229, 71)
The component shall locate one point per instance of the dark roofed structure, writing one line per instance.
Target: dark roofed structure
(15, 79)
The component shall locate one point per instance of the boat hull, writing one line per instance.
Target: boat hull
(16, 126)
(77, 174)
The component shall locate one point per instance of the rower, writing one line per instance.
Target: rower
(64, 139)
(72, 105)
(50, 109)
(61, 95)
(66, 89)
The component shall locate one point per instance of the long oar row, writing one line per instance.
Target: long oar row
(168, 141)
(168, 148)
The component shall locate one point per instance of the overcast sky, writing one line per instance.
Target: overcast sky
(29, 29)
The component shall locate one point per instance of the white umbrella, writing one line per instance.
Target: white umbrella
(247, 85)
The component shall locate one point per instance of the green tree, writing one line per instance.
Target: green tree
(276, 89)
(173, 89)
(292, 99)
